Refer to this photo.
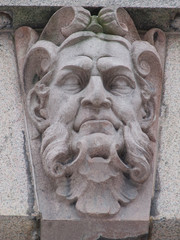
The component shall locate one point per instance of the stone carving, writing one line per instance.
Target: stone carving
(5, 20)
(93, 92)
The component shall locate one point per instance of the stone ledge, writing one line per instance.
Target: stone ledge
(123, 3)
(144, 18)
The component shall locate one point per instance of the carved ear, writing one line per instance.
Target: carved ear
(39, 60)
(37, 74)
(37, 102)
(148, 67)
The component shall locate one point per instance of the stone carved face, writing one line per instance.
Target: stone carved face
(91, 109)
(95, 79)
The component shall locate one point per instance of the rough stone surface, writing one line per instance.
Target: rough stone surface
(166, 205)
(125, 3)
(16, 192)
(18, 228)
(145, 237)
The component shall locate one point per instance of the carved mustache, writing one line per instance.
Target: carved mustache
(104, 120)
(58, 161)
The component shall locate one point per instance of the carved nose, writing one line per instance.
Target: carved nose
(96, 94)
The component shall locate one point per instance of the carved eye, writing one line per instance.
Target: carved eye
(72, 83)
(120, 85)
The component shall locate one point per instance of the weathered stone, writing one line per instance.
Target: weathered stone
(165, 223)
(25, 37)
(5, 20)
(93, 129)
(36, 15)
(124, 3)
(16, 189)
(146, 14)
(18, 227)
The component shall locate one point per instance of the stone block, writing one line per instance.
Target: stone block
(89, 177)
(16, 189)
(97, 3)
(165, 212)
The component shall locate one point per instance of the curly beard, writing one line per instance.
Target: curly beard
(98, 171)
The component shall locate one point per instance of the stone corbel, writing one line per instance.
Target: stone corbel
(92, 88)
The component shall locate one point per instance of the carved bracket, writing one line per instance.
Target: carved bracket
(93, 89)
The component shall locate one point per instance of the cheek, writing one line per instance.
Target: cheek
(137, 100)
(128, 108)
(62, 107)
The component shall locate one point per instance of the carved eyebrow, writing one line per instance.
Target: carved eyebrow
(114, 67)
(78, 63)
(71, 69)
(83, 62)
(107, 63)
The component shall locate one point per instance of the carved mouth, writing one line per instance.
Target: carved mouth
(97, 123)
(99, 160)
(97, 126)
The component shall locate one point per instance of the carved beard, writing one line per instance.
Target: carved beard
(97, 168)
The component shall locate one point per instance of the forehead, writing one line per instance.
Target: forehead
(95, 49)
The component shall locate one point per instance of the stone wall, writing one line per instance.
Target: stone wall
(19, 216)
(166, 208)
(16, 188)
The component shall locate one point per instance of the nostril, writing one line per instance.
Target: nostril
(106, 105)
(85, 102)
(96, 102)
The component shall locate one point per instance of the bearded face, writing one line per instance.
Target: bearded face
(91, 168)
(93, 112)
(94, 146)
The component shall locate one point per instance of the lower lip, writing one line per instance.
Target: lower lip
(99, 160)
